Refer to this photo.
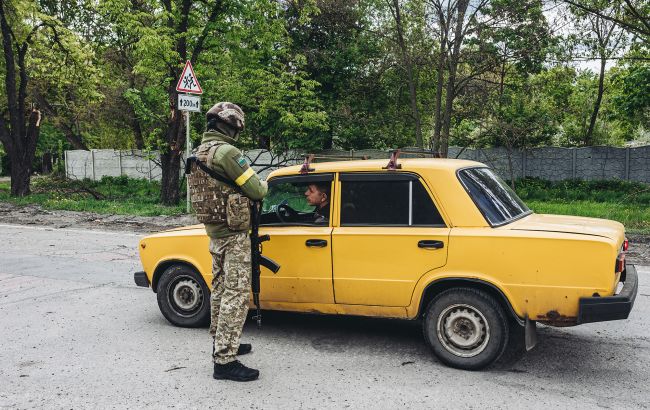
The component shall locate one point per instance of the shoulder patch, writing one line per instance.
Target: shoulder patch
(241, 161)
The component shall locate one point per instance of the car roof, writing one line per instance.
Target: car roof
(408, 164)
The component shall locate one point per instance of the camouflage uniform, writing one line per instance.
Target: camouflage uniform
(229, 241)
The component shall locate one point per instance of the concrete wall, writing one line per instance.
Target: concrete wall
(549, 163)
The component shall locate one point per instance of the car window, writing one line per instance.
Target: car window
(289, 202)
(496, 200)
(387, 203)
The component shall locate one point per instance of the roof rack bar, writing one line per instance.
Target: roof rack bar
(338, 157)
(435, 154)
(392, 163)
(306, 165)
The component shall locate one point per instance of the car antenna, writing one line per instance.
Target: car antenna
(392, 163)
(306, 165)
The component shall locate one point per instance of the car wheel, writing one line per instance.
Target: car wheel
(183, 297)
(466, 328)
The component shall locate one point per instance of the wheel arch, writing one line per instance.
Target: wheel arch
(436, 287)
(162, 267)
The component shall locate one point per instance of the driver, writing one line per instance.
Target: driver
(318, 195)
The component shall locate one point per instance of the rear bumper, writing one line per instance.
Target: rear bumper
(601, 309)
(141, 279)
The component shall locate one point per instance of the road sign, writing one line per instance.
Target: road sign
(188, 83)
(189, 102)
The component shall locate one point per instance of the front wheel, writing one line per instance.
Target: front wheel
(466, 328)
(183, 297)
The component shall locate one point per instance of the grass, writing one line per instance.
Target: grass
(111, 195)
(625, 202)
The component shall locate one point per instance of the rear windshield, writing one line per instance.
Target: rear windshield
(496, 200)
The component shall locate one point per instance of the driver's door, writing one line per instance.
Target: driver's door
(300, 246)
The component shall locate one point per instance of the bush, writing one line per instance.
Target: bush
(612, 191)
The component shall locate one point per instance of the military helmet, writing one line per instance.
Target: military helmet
(227, 113)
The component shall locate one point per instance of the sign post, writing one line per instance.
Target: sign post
(188, 83)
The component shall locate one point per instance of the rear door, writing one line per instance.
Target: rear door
(390, 233)
(299, 245)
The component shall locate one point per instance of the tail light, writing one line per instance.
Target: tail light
(620, 262)
(626, 244)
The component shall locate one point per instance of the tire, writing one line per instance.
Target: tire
(466, 328)
(183, 297)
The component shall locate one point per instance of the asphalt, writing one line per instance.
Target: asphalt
(75, 332)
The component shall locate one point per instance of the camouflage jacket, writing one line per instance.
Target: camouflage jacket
(229, 162)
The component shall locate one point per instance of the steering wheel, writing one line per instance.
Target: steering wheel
(285, 213)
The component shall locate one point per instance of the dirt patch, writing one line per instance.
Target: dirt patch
(36, 215)
(639, 252)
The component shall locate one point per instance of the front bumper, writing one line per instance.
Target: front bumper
(601, 309)
(141, 279)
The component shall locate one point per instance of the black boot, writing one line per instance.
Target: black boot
(234, 371)
(244, 348)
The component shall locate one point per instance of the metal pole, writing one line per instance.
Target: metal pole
(188, 151)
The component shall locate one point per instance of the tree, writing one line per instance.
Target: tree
(407, 59)
(476, 38)
(604, 38)
(635, 17)
(30, 40)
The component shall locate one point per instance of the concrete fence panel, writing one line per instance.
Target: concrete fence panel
(549, 163)
(639, 164)
(600, 163)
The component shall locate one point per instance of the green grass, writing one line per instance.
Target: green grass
(625, 202)
(636, 218)
(118, 195)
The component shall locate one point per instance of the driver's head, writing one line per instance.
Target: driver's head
(318, 194)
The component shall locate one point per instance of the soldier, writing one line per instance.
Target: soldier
(224, 208)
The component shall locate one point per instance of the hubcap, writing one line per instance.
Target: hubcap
(187, 295)
(463, 330)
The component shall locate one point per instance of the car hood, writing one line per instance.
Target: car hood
(570, 224)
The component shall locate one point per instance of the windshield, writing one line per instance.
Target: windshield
(496, 200)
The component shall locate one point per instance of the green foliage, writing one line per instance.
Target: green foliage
(610, 191)
(622, 201)
(118, 195)
(632, 94)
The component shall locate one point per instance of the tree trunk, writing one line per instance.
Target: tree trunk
(409, 72)
(169, 185)
(592, 123)
(20, 177)
(454, 58)
(171, 159)
(437, 109)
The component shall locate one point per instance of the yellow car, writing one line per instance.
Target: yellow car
(443, 241)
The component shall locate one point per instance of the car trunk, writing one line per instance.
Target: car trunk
(570, 224)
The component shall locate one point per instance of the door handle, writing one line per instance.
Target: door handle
(316, 243)
(431, 244)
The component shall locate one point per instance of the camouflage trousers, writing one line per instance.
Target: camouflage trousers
(231, 285)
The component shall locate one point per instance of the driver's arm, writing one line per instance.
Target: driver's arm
(229, 161)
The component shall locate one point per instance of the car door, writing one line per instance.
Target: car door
(390, 233)
(299, 244)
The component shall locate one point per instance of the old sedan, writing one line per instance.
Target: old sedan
(438, 240)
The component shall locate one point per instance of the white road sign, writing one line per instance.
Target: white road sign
(188, 83)
(189, 102)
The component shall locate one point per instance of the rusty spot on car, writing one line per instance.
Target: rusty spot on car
(554, 318)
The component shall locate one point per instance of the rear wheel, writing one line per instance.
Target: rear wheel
(466, 328)
(183, 297)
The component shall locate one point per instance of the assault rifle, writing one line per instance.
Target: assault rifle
(257, 258)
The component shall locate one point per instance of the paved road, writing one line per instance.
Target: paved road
(75, 332)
